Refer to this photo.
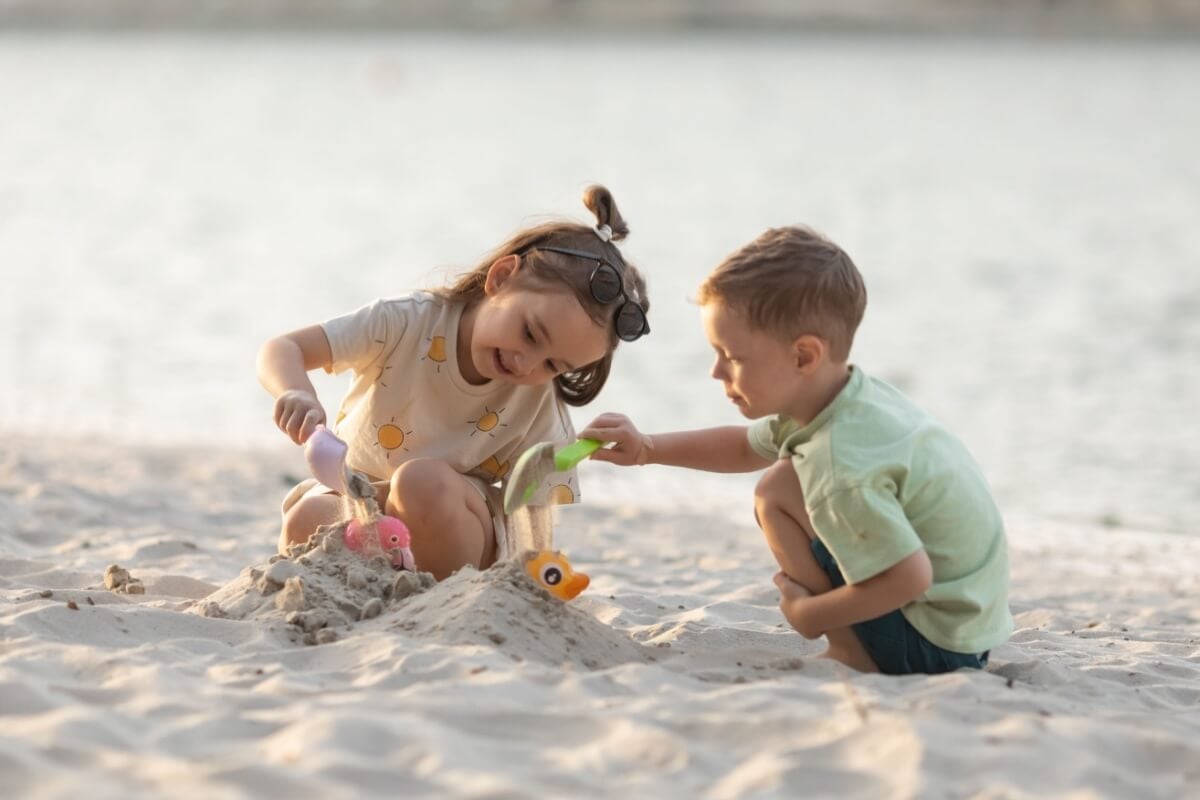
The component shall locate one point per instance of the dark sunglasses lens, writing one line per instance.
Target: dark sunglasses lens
(631, 322)
(606, 283)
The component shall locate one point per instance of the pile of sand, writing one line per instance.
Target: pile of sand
(323, 591)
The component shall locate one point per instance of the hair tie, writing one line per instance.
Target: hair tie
(604, 232)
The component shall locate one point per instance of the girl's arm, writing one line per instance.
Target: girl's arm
(725, 449)
(283, 366)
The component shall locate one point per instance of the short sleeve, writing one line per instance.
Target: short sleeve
(865, 529)
(364, 337)
(768, 434)
(553, 424)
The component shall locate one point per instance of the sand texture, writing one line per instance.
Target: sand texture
(236, 674)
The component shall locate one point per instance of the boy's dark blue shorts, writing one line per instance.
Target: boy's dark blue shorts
(896, 647)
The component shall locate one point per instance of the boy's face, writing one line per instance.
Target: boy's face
(758, 369)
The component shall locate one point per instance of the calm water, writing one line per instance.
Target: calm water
(1025, 213)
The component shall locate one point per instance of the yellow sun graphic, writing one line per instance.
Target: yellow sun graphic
(562, 494)
(494, 468)
(488, 422)
(391, 437)
(437, 351)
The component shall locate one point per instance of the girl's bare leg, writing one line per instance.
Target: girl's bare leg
(779, 509)
(450, 521)
(309, 513)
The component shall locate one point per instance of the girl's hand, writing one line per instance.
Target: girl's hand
(630, 446)
(298, 413)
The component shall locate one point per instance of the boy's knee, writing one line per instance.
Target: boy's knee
(777, 484)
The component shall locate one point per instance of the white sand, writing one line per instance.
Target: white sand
(671, 676)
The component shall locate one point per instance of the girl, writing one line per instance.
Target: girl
(451, 385)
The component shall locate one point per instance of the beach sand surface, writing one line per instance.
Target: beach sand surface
(673, 675)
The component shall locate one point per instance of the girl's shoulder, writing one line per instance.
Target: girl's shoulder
(419, 304)
(415, 299)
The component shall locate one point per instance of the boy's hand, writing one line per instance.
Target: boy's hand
(630, 446)
(793, 602)
(298, 413)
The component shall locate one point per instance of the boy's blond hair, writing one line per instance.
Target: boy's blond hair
(791, 282)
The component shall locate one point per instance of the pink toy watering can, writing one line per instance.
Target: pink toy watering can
(326, 456)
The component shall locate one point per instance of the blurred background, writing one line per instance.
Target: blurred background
(1018, 182)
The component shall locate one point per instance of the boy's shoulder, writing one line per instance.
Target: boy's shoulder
(873, 434)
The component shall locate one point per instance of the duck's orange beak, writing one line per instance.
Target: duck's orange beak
(574, 585)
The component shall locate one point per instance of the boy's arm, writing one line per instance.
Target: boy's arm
(895, 587)
(724, 449)
(283, 365)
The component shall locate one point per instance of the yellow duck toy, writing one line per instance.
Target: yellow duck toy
(551, 570)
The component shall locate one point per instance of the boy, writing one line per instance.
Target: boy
(887, 537)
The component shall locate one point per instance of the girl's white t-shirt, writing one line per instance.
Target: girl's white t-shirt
(408, 398)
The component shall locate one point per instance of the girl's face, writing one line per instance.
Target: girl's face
(527, 337)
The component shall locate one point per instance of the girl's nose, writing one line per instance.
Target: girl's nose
(520, 364)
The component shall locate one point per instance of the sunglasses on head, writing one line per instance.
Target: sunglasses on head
(607, 287)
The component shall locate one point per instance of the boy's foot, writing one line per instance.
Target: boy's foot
(844, 644)
(856, 660)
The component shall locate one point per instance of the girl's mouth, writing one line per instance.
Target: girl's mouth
(503, 370)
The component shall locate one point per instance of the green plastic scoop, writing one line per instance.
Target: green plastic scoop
(537, 462)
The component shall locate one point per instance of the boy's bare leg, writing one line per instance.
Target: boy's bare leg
(779, 509)
(450, 522)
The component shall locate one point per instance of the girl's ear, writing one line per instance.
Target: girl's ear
(808, 352)
(500, 273)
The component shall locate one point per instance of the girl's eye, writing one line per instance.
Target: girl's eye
(529, 333)
(550, 366)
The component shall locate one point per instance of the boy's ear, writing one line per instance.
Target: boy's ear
(808, 351)
(500, 273)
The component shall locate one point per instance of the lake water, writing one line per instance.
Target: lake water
(1026, 215)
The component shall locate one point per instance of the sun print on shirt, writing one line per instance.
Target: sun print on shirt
(436, 352)
(494, 469)
(562, 494)
(488, 422)
(391, 437)
(383, 369)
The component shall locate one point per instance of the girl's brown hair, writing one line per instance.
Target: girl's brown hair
(548, 270)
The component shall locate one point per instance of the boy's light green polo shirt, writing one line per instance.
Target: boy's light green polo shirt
(882, 479)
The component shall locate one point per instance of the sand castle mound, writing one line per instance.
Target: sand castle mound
(324, 591)
(503, 608)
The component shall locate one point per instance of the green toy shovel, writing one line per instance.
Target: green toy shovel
(537, 462)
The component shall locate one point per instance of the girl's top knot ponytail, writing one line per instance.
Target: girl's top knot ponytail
(599, 201)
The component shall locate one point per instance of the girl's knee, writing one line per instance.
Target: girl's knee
(305, 516)
(424, 479)
(449, 521)
(428, 492)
